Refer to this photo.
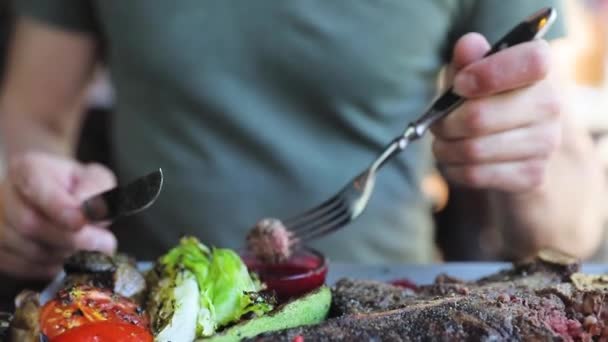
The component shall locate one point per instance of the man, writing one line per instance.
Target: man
(266, 108)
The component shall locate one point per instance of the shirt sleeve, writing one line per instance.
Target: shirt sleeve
(72, 15)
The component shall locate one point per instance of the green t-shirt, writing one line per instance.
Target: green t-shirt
(266, 108)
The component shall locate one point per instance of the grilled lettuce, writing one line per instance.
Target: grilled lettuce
(225, 291)
(176, 320)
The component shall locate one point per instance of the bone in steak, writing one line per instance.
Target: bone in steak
(541, 300)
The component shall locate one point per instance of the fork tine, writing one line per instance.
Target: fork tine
(312, 213)
(319, 217)
(322, 220)
(324, 228)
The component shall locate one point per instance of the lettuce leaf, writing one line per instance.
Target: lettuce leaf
(227, 291)
(232, 290)
(178, 306)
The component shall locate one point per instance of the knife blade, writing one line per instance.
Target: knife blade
(125, 200)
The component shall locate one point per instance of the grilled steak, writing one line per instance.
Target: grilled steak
(541, 300)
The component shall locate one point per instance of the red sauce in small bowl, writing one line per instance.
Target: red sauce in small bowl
(303, 272)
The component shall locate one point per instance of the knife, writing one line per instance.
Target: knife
(125, 200)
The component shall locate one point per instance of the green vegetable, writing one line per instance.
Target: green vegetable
(307, 310)
(233, 291)
(177, 316)
(226, 290)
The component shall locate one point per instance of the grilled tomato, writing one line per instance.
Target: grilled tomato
(105, 332)
(82, 305)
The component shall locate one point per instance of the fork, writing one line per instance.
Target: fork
(348, 204)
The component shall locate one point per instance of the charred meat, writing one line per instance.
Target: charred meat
(544, 299)
(269, 241)
(370, 296)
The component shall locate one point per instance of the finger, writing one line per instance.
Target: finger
(31, 251)
(50, 195)
(515, 109)
(92, 238)
(35, 227)
(516, 176)
(509, 69)
(32, 225)
(468, 49)
(530, 142)
(92, 179)
(15, 266)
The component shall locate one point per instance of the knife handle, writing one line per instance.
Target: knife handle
(533, 27)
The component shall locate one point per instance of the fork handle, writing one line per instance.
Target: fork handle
(533, 27)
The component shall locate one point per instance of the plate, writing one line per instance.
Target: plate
(419, 274)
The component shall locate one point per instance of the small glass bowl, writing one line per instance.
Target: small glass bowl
(303, 272)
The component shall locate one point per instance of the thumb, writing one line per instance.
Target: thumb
(92, 179)
(469, 48)
(93, 238)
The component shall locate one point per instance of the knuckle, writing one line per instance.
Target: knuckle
(436, 128)
(553, 140)
(26, 161)
(15, 167)
(549, 140)
(534, 173)
(553, 106)
(21, 173)
(40, 254)
(472, 176)
(475, 117)
(487, 77)
(539, 61)
(26, 186)
(471, 151)
(27, 224)
(438, 149)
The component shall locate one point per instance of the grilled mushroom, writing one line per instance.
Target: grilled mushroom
(118, 273)
(24, 326)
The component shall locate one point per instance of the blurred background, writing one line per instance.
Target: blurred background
(583, 58)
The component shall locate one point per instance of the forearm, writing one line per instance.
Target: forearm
(22, 132)
(46, 76)
(567, 211)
